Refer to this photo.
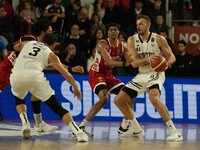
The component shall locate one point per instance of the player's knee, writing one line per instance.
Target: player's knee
(154, 100)
(103, 100)
(19, 101)
(118, 101)
(56, 107)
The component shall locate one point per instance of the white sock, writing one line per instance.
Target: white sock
(74, 127)
(24, 118)
(136, 126)
(83, 123)
(38, 119)
(125, 123)
(171, 126)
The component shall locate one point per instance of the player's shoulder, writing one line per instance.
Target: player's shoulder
(131, 38)
(159, 37)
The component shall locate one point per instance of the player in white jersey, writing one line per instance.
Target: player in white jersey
(28, 76)
(143, 47)
(40, 28)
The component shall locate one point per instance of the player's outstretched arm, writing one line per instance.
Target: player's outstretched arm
(55, 62)
(75, 69)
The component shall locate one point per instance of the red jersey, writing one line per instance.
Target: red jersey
(7, 64)
(116, 54)
(5, 70)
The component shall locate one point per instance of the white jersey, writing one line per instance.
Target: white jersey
(146, 49)
(27, 74)
(34, 55)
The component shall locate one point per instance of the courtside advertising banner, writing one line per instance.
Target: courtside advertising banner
(180, 95)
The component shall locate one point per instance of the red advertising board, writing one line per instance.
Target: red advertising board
(190, 34)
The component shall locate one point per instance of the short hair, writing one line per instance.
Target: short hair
(40, 25)
(145, 17)
(181, 42)
(112, 25)
(50, 38)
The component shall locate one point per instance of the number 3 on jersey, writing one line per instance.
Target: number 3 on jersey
(35, 51)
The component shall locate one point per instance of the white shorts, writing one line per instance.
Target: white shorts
(31, 81)
(142, 81)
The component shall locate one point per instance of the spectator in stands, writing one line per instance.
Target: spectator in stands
(195, 9)
(96, 22)
(86, 3)
(157, 9)
(196, 63)
(136, 8)
(97, 7)
(6, 26)
(98, 35)
(41, 4)
(72, 57)
(91, 59)
(74, 37)
(183, 65)
(114, 14)
(71, 11)
(55, 13)
(83, 22)
(8, 8)
(28, 14)
(122, 36)
(160, 24)
(180, 11)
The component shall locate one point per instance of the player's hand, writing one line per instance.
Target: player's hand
(77, 94)
(152, 58)
(77, 69)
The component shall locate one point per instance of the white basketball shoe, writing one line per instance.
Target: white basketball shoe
(175, 136)
(132, 133)
(44, 128)
(26, 130)
(82, 137)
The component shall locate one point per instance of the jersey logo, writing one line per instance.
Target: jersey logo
(152, 39)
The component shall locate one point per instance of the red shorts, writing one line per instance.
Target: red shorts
(96, 78)
(4, 81)
(5, 71)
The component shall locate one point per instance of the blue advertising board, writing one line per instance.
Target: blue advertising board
(181, 96)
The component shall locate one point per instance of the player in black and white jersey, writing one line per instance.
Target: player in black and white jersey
(28, 76)
(142, 47)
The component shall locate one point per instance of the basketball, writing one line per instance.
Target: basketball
(158, 63)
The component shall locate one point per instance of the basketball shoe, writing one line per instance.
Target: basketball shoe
(88, 133)
(132, 133)
(26, 130)
(122, 130)
(175, 136)
(44, 128)
(82, 137)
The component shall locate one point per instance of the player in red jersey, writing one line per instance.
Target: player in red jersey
(108, 54)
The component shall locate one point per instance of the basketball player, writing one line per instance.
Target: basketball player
(28, 76)
(143, 47)
(41, 27)
(108, 54)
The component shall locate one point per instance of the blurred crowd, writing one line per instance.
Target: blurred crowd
(79, 24)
